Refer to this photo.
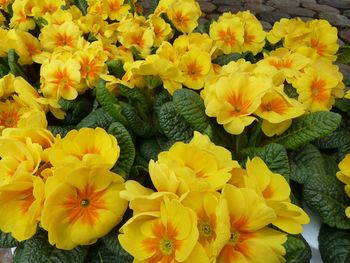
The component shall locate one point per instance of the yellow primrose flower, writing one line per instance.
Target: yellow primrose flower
(177, 170)
(169, 235)
(281, 65)
(195, 65)
(81, 205)
(203, 42)
(140, 38)
(316, 85)
(344, 176)
(18, 158)
(162, 30)
(6, 86)
(86, 146)
(184, 14)
(233, 99)
(4, 42)
(247, 220)
(64, 36)
(276, 108)
(42, 7)
(239, 66)
(254, 34)
(276, 191)
(162, 6)
(21, 203)
(4, 4)
(228, 34)
(213, 232)
(20, 19)
(60, 78)
(112, 9)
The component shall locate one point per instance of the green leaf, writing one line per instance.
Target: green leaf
(75, 109)
(137, 99)
(191, 107)
(307, 128)
(225, 59)
(15, 69)
(38, 250)
(100, 253)
(127, 149)
(291, 91)
(274, 155)
(7, 241)
(150, 148)
(324, 194)
(60, 129)
(173, 124)
(4, 70)
(82, 5)
(304, 162)
(153, 82)
(96, 118)
(297, 250)
(334, 245)
(343, 54)
(343, 105)
(116, 68)
(112, 243)
(109, 103)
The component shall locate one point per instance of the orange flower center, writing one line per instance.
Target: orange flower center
(50, 8)
(318, 90)
(9, 119)
(88, 68)
(27, 200)
(194, 70)
(315, 43)
(268, 192)
(281, 63)
(228, 37)
(277, 105)
(63, 40)
(239, 105)
(62, 79)
(180, 19)
(137, 39)
(248, 39)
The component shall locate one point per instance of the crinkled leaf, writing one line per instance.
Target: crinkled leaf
(343, 105)
(7, 241)
(191, 107)
(62, 130)
(150, 148)
(291, 91)
(116, 68)
(96, 118)
(334, 245)
(76, 109)
(100, 253)
(82, 5)
(225, 59)
(274, 155)
(307, 128)
(38, 250)
(343, 54)
(127, 149)
(15, 69)
(136, 98)
(112, 243)
(173, 124)
(304, 162)
(324, 194)
(297, 250)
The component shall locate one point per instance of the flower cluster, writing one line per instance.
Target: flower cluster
(202, 211)
(63, 184)
(344, 176)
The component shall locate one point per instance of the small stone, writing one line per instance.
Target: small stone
(346, 13)
(320, 8)
(227, 2)
(309, 1)
(277, 3)
(253, 1)
(305, 18)
(5, 255)
(258, 8)
(335, 19)
(336, 3)
(213, 16)
(340, 42)
(207, 7)
(227, 8)
(296, 11)
(272, 17)
(266, 25)
(345, 35)
(345, 69)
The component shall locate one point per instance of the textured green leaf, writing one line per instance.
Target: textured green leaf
(343, 54)
(60, 129)
(7, 241)
(291, 91)
(82, 5)
(4, 70)
(307, 128)
(137, 99)
(324, 194)
(96, 118)
(225, 59)
(343, 105)
(116, 68)
(304, 162)
(76, 109)
(173, 124)
(297, 250)
(15, 69)
(191, 107)
(109, 103)
(100, 253)
(38, 250)
(334, 245)
(112, 243)
(127, 149)
(150, 148)
(274, 155)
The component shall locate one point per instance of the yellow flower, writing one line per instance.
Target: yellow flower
(20, 17)
(140, 38)
(177, 170)
(43, 7)
(169, 235)
(247, 220)
(233, 99)
(203, 42)
(6, 86)
(228, 34)
(344, 176)
(316, 85)
(195, 65)
(21, 203)
(113, 9)
(87, 146)
(81, 205)
(162, 30)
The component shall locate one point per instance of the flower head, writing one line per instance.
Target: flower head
(344, 176)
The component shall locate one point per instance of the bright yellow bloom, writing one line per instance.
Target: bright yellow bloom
(42, 7)
(112, 9)
(184, 15)
(317, 84)
(276, 191)
(4, 42)
(199, 165)
(233, 99)
(228, 34)
(247, 220)
(162, 6)
(20, 19)
(169, 235)
(203, 42)
(6, 86)
(87, 146)
(140, 38)
(81, 205)
(344, 176)
(162, 30)
(195, 65)
(20, 206)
